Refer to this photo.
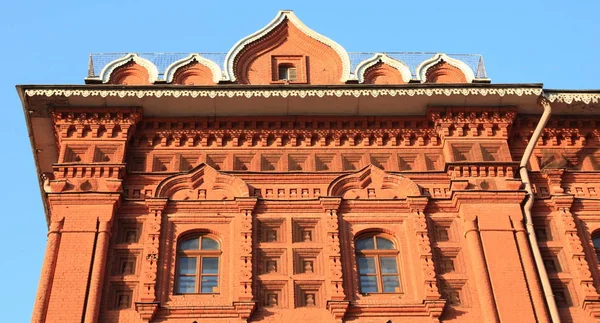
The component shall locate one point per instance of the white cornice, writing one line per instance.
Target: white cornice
(421, 70)
(214, 67)
(266, 93)
(110, 67)
(569, 97)
(291, 17)
(363, 66)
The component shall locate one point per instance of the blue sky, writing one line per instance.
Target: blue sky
(48, 42)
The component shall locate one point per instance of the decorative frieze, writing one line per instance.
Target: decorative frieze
(472, 122)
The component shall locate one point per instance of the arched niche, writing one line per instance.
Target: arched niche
(130, 69)
(286, 42)
(443, 69)
(382, 69)
(372, 182)
(202, 183)
(193, 70)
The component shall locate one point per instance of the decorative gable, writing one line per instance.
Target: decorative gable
(287, 46)
(373, 183)
(202, 183)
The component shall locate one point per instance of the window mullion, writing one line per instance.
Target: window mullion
(198, 273)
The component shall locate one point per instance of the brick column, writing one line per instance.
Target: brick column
(532, 279)
(45, 286)
(482, 278)
(97, 274)
(147, 304)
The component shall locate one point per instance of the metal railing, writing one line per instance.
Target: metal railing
(163, 60)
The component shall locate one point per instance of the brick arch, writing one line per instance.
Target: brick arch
(130, 74)
(202, 183)
(382, 73)
(129, 69)
(443, 69)
(443, 72)
(193, 70)
(319, 60)
(382, 69)
(373, 182)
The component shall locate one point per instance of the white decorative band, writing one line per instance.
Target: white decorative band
(569, 98)
(282, 93)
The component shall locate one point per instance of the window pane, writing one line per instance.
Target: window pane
(596, 242)
(368, 284)
(208, 284)
(391, 284)
(210, 265)
(366, 265)
(283, 72)
(384, 244)
(186, 285)
(366, 243)
(388, 265)
(187, 265)
(191, 244)
(209, 244)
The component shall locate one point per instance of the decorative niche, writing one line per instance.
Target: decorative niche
(308, 294)
(272, 230)
(272, 261)
(305, 230)
(308, 261)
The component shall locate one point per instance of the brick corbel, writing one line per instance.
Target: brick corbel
(554, 178)
(338, 309)
(146, 310)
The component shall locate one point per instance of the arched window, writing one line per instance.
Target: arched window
(377, 265)
(596, 241)
(198, 265)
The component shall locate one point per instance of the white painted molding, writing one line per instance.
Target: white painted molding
(421, 70)
(284, 93)
(291, 17)
(214, 67)
(148, 65)
(570, 97)
(363, 66)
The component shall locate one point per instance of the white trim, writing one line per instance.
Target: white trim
(291, 17)
(110, 67)
(570, 97)
(267, 93)
(421, 70)
(217, 75)
(363, 66)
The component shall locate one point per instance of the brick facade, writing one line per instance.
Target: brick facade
(132, 171)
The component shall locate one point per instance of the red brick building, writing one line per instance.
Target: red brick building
(289, 180)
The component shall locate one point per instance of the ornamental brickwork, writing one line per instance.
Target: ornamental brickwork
(289, 185)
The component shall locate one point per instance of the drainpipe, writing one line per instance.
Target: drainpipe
(529, 205)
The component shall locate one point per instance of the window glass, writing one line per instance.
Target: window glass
(365, 244)
(190, 244)
(186, 284)
(210, 265)
(391, 284)
(368, 284)
(388, 265)
(209, 284)
(209, 244)
(384, 243)
(366, 265)
(187, 265)
(596, 241)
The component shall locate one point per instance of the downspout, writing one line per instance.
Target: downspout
(539, 263)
